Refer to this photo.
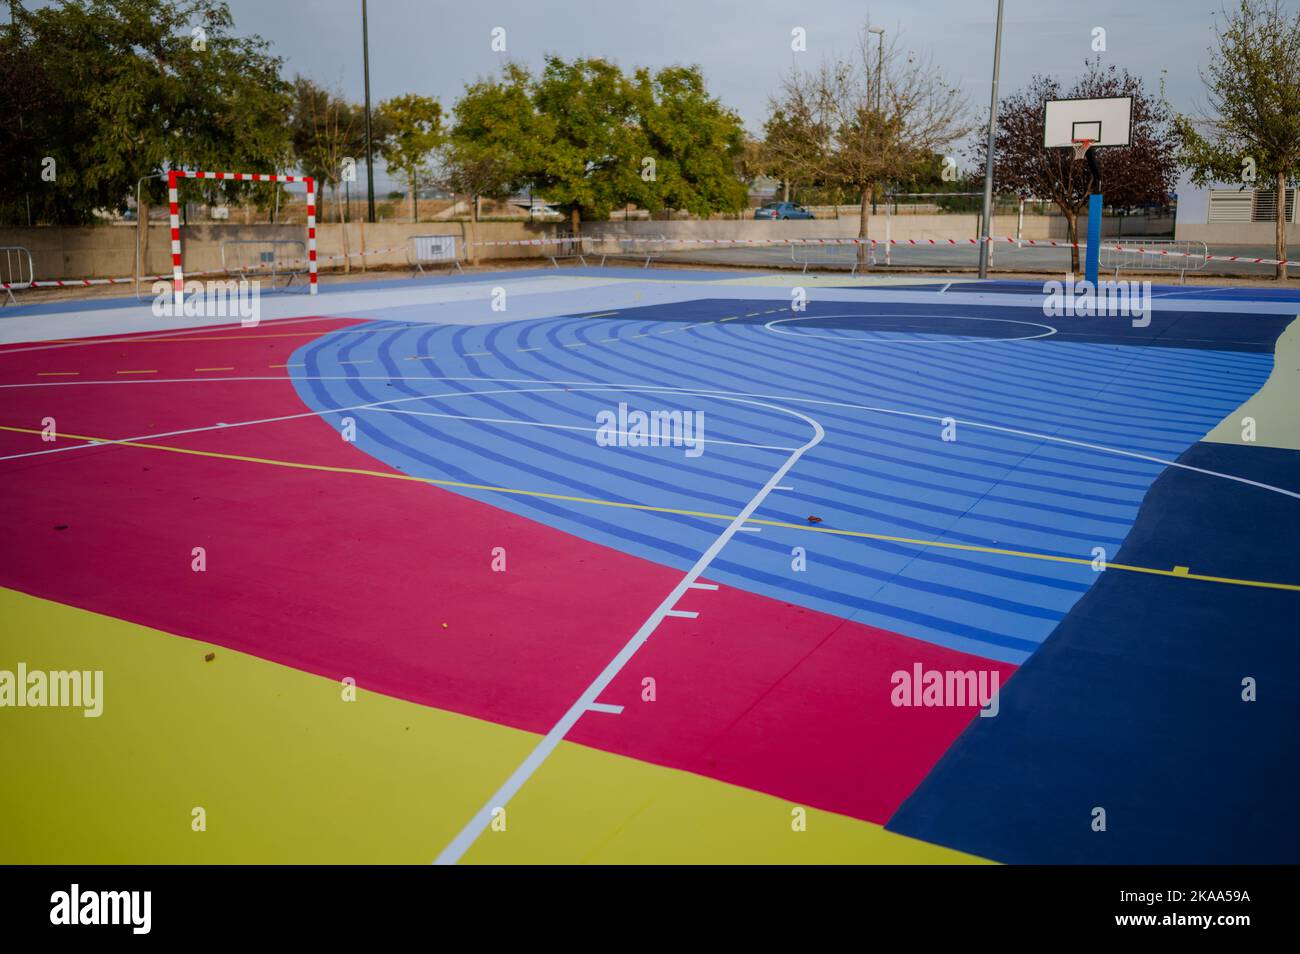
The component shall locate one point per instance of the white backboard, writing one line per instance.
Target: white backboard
(1107, 121)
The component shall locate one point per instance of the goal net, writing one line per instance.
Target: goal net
(173, 178)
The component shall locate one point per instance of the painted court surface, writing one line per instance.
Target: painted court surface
(645, 654)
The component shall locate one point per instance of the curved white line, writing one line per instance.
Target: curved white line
(904, 341)
(648, 387)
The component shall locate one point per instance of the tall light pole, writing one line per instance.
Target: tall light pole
(370, 159)
(988, 165)
(880, 73)
(880, 61)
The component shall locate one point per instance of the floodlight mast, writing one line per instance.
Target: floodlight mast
(986, 228)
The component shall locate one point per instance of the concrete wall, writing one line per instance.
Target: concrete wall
(109, 251)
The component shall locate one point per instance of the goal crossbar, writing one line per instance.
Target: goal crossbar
(173, 178)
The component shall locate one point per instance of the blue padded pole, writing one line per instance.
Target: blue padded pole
(1094, 238)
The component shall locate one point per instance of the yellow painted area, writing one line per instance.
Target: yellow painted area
(1274, 407)
(588, 806)
(287, 771)
(284, 768)
(595, 501)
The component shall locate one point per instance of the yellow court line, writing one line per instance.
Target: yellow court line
(705, 515)
(154, 371)
(215, 369)
(56, 374)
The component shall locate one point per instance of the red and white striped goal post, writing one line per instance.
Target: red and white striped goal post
(174, 175)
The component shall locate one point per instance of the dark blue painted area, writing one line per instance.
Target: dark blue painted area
(881, 469)
(967, 286)
(1216, 331)
(1134, 702)
(1230, 292)
(1191, 293)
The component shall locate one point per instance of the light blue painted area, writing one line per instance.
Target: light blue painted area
(875, 472)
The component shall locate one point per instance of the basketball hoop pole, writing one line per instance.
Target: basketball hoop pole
(1092, 261)
(1086, 124)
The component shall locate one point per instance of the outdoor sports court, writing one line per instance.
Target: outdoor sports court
(566, 651)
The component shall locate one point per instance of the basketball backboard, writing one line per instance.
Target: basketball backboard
(1107, 121)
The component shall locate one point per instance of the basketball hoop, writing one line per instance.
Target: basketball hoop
(1081, 147)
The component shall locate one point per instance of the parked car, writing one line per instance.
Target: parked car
(782, 210)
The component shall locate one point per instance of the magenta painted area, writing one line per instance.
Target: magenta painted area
(391, 582)
(783, 699)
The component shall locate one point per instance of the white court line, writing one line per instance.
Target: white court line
(683, 614)
(705, 586)
(376, 405)
(605, 707)
(952, 339)
(457, 847)
(223, 424)
(793, 399)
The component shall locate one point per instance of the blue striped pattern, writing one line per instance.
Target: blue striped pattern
(875, 472)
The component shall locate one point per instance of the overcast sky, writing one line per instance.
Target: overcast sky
(434, 47)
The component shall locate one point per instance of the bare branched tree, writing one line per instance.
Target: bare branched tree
(864, 120)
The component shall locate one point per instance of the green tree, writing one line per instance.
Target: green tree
(413, 124)
(795, 138)
(1253, 83)
(587, 151)
(127, 90)
(592, 140)
(493, 139)
(27, 88)
(694, 141)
